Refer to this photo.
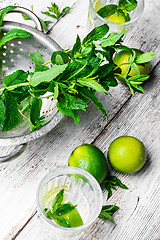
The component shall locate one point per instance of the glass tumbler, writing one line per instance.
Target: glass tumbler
(94, 19)
(81, 189)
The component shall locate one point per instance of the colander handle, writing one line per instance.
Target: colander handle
(14, 154)
(29, 14)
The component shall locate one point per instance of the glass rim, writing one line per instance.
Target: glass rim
(70, 170)
(114, 23)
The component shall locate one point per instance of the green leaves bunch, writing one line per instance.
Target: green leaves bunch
(122, 8)
(74, 78)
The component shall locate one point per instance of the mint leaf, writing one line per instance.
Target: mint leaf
(4, 12)
(96, 34)
(25, 103)
(85, 92)
(14, 33)
(111, 39)
(135, 82)
(50, 15)
(59, 58)
(57, 201)
(12, 78)
(138, 78)
(35, 109)
(92, 84)
(54, 8)
(12, 115)
(131, 6)
(71, 102)
(104, 70)
(48, 75)
(105, 215)
(127, 5)
(144, 57)
(107, 10)
(2, 112)
(47, 212)
(38, 60)
(65, 10)
(45, 23)
(135, 68)
(56, 90)
(68, 112)
(61, 221)
(76, 48)
(26, 17)
(65, 208)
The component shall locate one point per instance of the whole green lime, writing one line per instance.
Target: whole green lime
(122, 61)
(91, 159)
(126, 154)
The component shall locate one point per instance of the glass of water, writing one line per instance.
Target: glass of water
(81, 189)
(94, 19)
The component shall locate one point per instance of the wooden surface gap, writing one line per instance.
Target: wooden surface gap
(112, 119)
(24, 225)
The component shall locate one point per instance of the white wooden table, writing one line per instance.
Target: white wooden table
(139, 215)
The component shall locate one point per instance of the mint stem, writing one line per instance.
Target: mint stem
(14, 86)
(46, 63)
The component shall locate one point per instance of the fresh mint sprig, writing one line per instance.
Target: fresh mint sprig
(54, 11)
(111, 182)
(58, 209)
(107, 212)
(122, 8)
(136, 81)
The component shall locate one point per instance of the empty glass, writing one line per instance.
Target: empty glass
(96, 20)
(80, 188)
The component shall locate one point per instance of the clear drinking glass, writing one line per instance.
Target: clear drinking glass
(94, 19)
(81, 189)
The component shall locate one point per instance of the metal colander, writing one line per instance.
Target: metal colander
(15, 55)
